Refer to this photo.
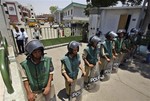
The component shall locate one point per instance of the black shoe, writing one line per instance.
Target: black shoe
(121, 65)
(67, 95)
(102, 77)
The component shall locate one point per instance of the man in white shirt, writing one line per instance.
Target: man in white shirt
(36, 34)
(19, 39)
(25, 35)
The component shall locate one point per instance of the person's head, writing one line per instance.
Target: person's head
(93, 41)
(110, 35)
(133, 31)
(22, 29)
(35, 29)
(16, 29)
(98, 33)
(140, 32)
(35, 49)
(121, 33)
(73, 47)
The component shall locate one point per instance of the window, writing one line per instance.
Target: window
(6, 12)
(68, 13)
(4, 4)
(71, 11)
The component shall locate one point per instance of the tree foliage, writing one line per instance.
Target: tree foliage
(53, 9)
(103, 3)
(50, 19)
(131, 2)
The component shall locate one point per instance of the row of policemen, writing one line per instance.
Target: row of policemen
(116, 49)
(100, 59)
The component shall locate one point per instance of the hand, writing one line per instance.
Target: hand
(114, 57)
(116, 54)
(83, 73)
(91, 65)
(108, 60)
(69, 80)
(47, 90)
(31, 96)
(99, 62)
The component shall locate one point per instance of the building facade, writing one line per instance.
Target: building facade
(4, 22)
(114, 18)
(19, 13)
(74, 14)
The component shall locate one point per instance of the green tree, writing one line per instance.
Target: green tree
(131, 2)
(103, 3)
(53, 9)
(98, 3)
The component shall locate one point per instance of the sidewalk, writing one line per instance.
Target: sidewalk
(131, 83)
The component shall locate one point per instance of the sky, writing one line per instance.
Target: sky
(42, 6)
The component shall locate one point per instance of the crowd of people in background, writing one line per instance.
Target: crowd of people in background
(21, 36)
(21, 39)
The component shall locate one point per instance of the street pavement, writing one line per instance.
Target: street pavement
(131, 83)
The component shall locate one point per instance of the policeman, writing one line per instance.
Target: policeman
(119, 46)
(107, 54)
(70, 65)
(37, 72)
(91, 57)
(133, 36)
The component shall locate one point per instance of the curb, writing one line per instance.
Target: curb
(55, 46)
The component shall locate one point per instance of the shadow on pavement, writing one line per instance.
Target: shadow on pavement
(62, 95)
(139, 65)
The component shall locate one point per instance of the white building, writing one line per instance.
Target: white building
(58, 15)
(32, 13)
(4, 22)
(114, 18)
(74, 13)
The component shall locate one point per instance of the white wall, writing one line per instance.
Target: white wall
(109, 19)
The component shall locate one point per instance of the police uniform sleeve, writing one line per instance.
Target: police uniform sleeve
(51, 68)
(23, 74)
(63, 68)
(102, 51)
(113, 45)
(84, 55)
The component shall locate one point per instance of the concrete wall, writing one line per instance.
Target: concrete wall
(108, 19)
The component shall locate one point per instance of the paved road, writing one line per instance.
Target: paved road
(131, 83)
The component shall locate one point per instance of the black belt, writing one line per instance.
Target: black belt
(38, 91)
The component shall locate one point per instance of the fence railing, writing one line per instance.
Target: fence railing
(4, 64)
(51, 33)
